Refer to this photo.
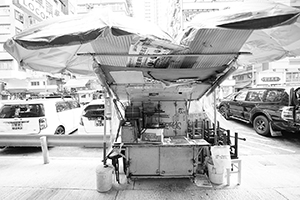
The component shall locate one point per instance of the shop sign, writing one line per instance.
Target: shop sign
(270, 79)
(32, 8)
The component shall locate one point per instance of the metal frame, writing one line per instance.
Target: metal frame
(163, 55)
(198, 151)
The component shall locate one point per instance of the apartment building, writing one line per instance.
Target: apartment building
(15, 16)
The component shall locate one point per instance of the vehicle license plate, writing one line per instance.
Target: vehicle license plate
(17, 126)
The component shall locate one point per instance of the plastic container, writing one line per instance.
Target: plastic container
(104, 178)
(216, 175)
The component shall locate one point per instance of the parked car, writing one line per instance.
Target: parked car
(270, 110)
(40, 116)
(92, 118)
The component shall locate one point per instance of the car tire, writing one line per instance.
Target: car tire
(261, 125)
(224, 112)
(60, 131)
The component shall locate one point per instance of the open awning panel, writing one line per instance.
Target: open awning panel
(200, 58)
(153, 84)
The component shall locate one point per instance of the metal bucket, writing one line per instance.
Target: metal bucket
(104, 178)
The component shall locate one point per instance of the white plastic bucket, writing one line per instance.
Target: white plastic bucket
(216, 175)
(104, 178)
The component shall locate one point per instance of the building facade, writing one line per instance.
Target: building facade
(285, 72)
(15, 16)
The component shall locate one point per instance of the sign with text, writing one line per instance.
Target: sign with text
(270, 78)
(34, 9)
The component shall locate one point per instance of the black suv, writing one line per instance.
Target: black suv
(270, 110)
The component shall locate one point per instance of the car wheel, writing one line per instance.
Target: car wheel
(59, 131)
(224, 112)
(261, 125)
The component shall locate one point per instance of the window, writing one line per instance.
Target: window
(254, 96)
(4, 29)
(94, 111)
(35, 83)
(6, 65)
(73, 104)
(22, 110)
(4, 11)
(62, 106)
(40, 2)
(292, 76)
(32, 20)
(19, 16)
(274, 95)
(241, 96)
(49, 8)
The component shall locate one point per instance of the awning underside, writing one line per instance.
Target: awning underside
(151, 84)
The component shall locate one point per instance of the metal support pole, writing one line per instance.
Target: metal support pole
(104, 144)
(236, 145)
(44, 147)
(215, 119)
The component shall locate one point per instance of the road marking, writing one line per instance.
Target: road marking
(251, 132)
(250, 147)
(271, 146)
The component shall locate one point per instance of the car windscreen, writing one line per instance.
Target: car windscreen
(22, 110)
(94, 111)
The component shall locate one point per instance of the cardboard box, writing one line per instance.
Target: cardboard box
(153, 135)
(128, 134)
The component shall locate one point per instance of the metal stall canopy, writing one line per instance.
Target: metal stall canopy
(135, 59)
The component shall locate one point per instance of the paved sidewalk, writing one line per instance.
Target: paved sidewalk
(273, 177)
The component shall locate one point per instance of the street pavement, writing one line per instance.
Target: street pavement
(273, 177)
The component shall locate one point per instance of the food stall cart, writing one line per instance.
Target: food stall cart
(153, 77)
(156, 143)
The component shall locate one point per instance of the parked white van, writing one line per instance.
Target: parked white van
(40, 116)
